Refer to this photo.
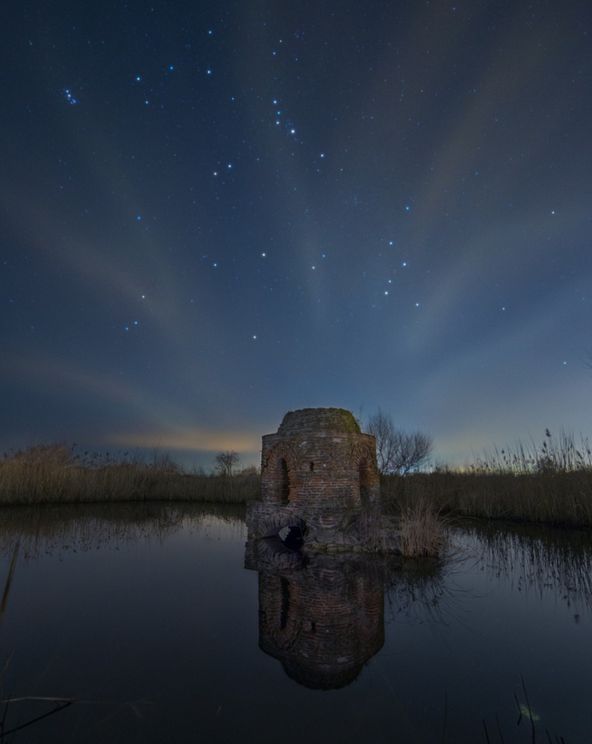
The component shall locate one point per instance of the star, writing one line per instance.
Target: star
(254, 337)
(138, 218)
(70, 98)
(404, 264)
(138, 78)
(263, 254)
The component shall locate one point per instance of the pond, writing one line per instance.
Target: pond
(149, 623)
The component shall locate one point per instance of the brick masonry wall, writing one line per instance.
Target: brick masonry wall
(320, 470)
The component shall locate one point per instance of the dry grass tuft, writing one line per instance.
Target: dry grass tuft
(422, 530)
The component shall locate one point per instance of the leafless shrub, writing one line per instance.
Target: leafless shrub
(398, 451)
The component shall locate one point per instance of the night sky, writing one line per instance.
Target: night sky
(215, 212)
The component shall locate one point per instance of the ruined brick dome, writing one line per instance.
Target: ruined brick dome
(334, 420)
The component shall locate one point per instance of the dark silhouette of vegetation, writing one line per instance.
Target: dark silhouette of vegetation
(226, 462)
(398, 451)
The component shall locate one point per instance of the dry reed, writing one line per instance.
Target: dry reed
(55, 474)
(422, 530)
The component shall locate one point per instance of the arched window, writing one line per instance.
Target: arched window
(364, 478)
(284, 482)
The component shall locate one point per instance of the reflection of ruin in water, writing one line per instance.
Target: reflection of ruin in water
(323, 618)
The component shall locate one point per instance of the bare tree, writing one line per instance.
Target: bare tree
(226, 461)
(398, 451)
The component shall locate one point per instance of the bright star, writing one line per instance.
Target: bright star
(70, 98)
(254, 337)
(407, 207)
(138, 218)
(138, 78)
(404, 264)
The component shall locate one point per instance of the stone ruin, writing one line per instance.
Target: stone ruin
(320, 489)
(311, 537)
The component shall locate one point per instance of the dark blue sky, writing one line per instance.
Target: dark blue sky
(213, 212)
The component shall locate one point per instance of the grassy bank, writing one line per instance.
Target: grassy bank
(55, 474)
(557, 498)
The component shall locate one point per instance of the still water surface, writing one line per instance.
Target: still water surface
(147, 619)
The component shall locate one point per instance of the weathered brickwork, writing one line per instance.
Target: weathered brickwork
(319, 471)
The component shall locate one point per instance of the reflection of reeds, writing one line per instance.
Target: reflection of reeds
(544, 560)
(55, 473)
(58, 528)
(9, 578)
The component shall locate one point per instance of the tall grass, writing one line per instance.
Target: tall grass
(422, 530)
(56, 474)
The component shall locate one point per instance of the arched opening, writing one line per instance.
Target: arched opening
(364, 478)
(311, 467)
(284, 482)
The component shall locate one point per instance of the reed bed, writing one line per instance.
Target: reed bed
(422, 530)
(548, 483)
(56, 474)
